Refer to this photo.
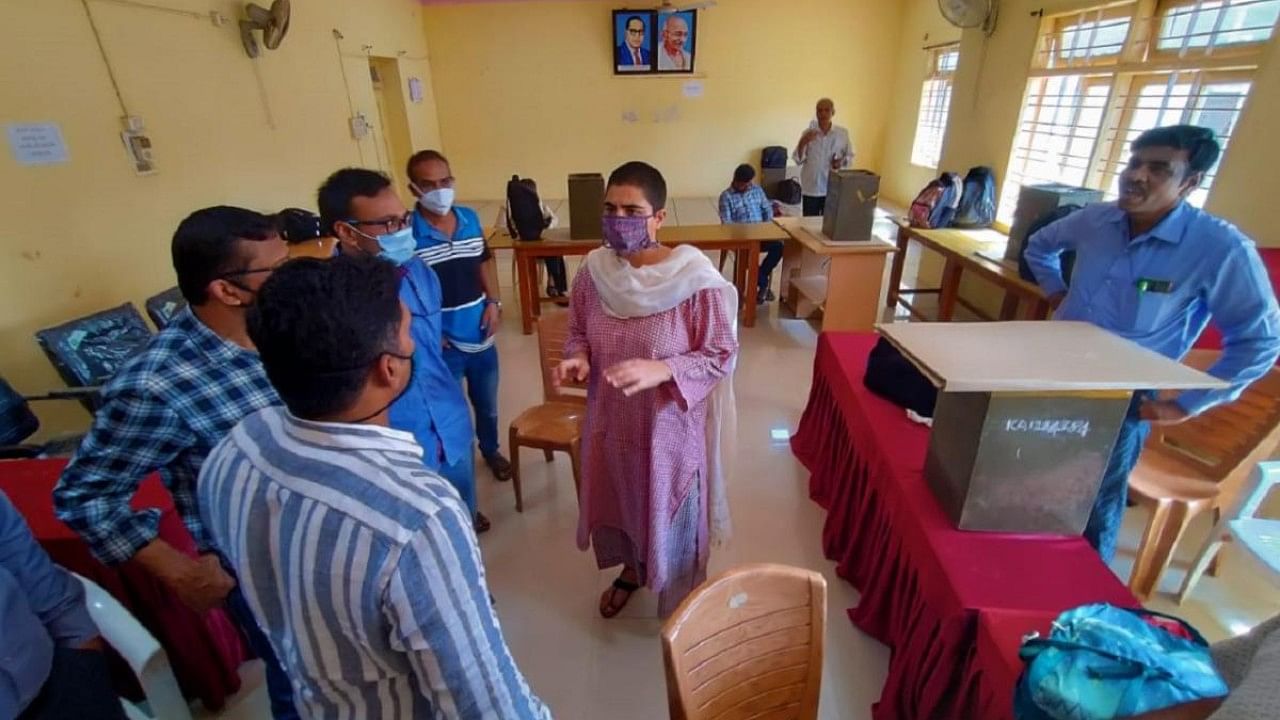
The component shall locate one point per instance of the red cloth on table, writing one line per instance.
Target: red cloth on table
(205, 651)
(922, 581)
(995, 665)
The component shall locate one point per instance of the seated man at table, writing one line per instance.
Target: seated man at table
(745, 202)
(53, 663)
(1153, 268)
(321, 506)
(362, 210)
(166, 409)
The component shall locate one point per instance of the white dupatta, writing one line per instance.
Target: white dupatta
(631, 292)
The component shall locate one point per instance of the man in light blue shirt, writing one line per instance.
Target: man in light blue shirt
(1153, 269)
(360, 563)
(53, 665)
(745, 202)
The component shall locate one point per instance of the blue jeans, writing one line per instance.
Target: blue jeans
(279, 690)
(772, 256)
(1108, 510)
(462, 476)
(480, 370)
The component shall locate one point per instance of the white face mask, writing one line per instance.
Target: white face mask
(438, 201)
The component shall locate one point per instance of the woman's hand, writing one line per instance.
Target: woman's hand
(633, 376)
(575, 369)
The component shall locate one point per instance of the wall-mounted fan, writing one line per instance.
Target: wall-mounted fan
(966, 13)
(273, 23)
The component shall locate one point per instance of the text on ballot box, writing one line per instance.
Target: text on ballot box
(1027, 416)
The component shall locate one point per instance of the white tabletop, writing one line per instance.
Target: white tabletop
(1037, 356)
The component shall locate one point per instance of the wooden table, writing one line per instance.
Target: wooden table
(960, 250)
(841, 279)
(743, 240)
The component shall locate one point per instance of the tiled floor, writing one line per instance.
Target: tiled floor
(547, 590)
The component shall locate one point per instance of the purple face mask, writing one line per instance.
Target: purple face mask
(626, 235)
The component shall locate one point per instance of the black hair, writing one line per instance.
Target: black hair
(320, 325)
(298, 225)
(423, 156)
(627, 24)
(205, 246)
(1199, 142)
(744, 173)
(341, 188)
(644, 176)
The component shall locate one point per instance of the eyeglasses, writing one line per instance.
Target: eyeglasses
(253, 271)
(387, 225)
(636, 31)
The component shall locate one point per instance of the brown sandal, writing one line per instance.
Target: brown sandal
(607, 607)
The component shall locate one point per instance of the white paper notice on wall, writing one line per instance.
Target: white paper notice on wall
(415, 89)
(692, 88)
(37, 143)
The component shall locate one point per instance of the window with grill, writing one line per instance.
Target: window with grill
(1101, 77)
(935, 103)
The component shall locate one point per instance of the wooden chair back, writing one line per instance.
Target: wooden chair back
(748, 644)
(553, 331)
(1226, 442)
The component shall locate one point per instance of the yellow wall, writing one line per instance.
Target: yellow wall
(924, 27)
(991, 80)
(91, 234)
(528, 88)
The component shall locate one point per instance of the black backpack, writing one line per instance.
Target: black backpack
(978, 203)
(774, 156)
(896, 379)
(524, 210)
(1068, 257)
(789, 192)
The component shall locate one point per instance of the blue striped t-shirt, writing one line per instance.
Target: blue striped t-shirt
(363, 571)
(457, 261)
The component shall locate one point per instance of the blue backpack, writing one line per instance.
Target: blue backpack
(1102, 662)
(978, 203)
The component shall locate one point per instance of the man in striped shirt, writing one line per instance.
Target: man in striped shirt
(451, 241)
(359, 563)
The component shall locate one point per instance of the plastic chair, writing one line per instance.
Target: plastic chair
(1197, 466)
(163, 306)
(748, 644)
(556, 424)
(1258, 537)
(86, 352)
(139, 648)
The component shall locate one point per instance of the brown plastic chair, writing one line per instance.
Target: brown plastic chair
(1197, 466)
(748, 644)
(556, 424)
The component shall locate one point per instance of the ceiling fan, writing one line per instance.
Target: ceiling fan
(273, 23)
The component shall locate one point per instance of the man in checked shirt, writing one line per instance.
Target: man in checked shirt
(166, 409)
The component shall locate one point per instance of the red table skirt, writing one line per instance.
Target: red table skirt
(923, 582)
(206, 650)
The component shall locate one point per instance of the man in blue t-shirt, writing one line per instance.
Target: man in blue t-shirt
(451, 241)
(362, 210)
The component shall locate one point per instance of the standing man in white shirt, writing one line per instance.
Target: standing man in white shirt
(823, 147)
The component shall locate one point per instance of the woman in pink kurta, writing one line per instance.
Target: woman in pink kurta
(652, 332)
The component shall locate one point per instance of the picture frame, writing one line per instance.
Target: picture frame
(651, 42)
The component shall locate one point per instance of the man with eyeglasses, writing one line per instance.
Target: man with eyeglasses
(169, 406)
(361, 209)
(1152, 268)
(632, 55)
(451, 240)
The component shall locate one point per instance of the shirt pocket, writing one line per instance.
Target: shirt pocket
(1150, 311)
